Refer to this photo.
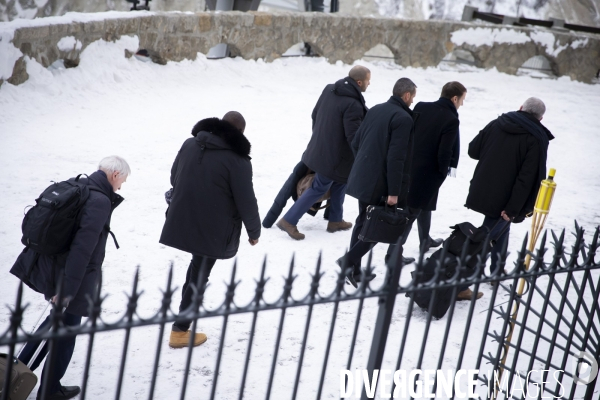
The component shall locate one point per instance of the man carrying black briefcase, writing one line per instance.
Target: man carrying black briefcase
(383, 151)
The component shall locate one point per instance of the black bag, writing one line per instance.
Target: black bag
(384, 224)
(454, 246)
(49, 226)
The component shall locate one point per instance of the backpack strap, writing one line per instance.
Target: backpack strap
(79, 176)
(106, 227)
(113, 236)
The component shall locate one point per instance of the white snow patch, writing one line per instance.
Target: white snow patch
(579, 43)
(488, 36)
(549, 41)
(9, 55)
(68, 43)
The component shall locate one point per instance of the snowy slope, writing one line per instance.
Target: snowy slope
(60, 123)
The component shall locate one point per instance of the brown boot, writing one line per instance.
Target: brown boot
(291, 230)
(467, 295)
(177, 340)
(338, 226)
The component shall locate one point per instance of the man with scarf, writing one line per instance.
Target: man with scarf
(511, 152)
(435, 156)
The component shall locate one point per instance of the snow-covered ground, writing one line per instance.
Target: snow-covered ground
(62, 122)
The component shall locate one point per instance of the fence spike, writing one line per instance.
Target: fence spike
(538, 258)
(289, 281)
(521, 255)
(576, 247)
(260, 284)
(593, 248)
(316, 278)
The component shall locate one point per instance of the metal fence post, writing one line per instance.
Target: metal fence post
(384, 315)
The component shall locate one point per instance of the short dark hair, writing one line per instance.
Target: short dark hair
(402, 86)
(359, 73)
(236, 119)
(452, 89)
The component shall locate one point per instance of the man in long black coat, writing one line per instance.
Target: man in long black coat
(336, 118)
(381, 170)
(511, 152)
(212, 196)
(80, 268)
(436, 154)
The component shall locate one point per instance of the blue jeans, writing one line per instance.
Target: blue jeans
(501, 241)
(64, 352)
(319, 187)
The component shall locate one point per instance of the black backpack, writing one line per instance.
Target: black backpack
(49, 226)
(454, 246)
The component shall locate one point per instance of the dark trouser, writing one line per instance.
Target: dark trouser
(64, 352)
(193, 272)
(317, 5)
(358, 248)
(286, 191)
(501, 241)
(424, 225)
(319, 187)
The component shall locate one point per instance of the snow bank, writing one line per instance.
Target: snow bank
(69, 43)
(488, 36)
(10, 55)
(61, 123)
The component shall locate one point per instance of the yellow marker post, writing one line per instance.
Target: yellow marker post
(538, 220)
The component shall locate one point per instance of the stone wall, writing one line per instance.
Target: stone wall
(253, 35)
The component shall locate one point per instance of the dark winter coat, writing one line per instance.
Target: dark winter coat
(336, 118)
(212, 192)
(81, 265)
(512, 163)
(436, 134)
(383, 151)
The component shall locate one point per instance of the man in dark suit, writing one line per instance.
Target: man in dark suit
(436, 153)
(212, 196)
(383, 152)
(336, 118)
(511, 154)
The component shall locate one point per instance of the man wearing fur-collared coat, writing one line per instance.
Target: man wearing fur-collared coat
(212, 196)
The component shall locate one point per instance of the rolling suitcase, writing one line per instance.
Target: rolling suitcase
(22, 380)
(454, 245)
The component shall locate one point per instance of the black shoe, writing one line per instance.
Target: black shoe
(431, 243)
(435, 242)
(349, 276)
(355, 279)
(405, 260)
(408, 260)
(65, 392)
(351, 281)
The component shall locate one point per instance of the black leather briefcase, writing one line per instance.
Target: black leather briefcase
(384, 224)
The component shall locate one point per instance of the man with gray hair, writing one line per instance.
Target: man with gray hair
(80, 267)
(383, 153)
(511, 152)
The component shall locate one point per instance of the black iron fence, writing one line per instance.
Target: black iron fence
(553, 349)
